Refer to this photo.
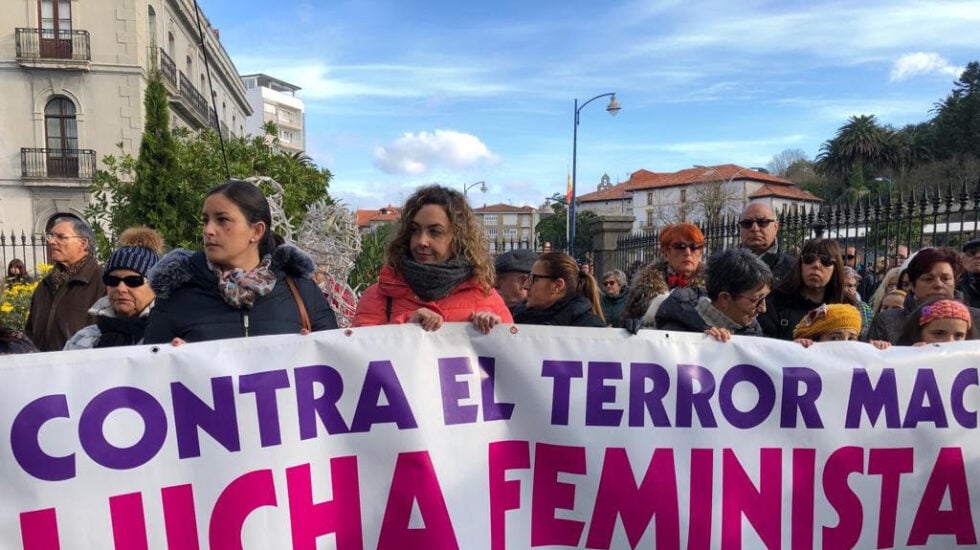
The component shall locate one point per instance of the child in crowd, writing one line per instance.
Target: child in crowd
(893, 300)
(831, 323)
(937, 322)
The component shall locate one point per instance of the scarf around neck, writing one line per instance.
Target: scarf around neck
(432, 282)
(240, 288)
(61, 274)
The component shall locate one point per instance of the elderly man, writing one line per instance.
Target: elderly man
(757, 231)
(512, 270)
(59, 307)
(969, 283)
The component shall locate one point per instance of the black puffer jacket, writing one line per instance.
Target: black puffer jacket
(189, 306)
(678, 312)
(575, 311)
(783, 312)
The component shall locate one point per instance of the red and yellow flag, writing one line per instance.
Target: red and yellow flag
(568, 191)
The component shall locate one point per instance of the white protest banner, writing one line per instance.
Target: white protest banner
(391, 437)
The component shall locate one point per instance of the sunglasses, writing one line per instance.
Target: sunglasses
(825, 260)
(761, 222)
(686, 246)
(849, 256)
(132, 281)
(609, 283)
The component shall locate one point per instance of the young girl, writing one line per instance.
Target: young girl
(938, 321)
(831, 323)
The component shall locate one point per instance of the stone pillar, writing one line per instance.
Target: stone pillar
(606, 230)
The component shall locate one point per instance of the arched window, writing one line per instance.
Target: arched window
(61, 138)
(171, 46)
(151, 23)
(190, 68)
(55, 23)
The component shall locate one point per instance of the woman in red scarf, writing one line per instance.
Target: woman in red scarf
(682, 247)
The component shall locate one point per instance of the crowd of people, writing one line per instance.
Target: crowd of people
(247, 281)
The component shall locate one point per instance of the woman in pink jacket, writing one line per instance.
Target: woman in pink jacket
(437, 268)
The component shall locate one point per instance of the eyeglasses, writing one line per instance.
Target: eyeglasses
(825, 260)
(687, 246)
(761, 222)
(756, 302)
(534, 277)
(61, 237)
(972, 253)
(849, 256)
(132, 281)
(609, 283)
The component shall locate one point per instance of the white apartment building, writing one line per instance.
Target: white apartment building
(274, 100)
(72, 76)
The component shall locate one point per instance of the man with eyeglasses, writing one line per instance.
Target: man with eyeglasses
(757, 231)
(59, 307)
(969, 283)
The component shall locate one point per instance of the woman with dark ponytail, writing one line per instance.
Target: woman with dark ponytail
(246, 282)
(559, 292)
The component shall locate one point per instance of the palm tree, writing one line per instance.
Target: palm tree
(859, 144)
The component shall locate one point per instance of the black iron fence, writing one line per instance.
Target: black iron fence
(31, 249)
(53, 44)
(875, 226)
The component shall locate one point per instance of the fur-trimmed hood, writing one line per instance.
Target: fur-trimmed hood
(179, 267)
(648, 283)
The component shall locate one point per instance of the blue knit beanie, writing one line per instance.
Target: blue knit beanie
(139, 250)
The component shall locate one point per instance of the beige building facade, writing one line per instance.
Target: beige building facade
(72, 76)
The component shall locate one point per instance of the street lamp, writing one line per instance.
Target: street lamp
(890, 183)
(613, 109)
(481, 183)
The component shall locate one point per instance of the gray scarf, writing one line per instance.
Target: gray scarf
(435, 281)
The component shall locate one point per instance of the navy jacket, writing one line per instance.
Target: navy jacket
(189, 306)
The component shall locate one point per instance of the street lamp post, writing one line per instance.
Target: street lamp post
(613, 109)
(889, 181)
(481, 183)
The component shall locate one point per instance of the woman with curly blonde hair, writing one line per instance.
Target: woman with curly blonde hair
(437, 268)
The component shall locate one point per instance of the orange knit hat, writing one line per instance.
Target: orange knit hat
(828, 318)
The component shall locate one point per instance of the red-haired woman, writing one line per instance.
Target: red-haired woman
(682, 247)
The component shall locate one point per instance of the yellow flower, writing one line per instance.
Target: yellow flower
(6, 307)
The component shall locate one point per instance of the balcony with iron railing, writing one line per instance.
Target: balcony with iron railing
(169, 71)
(62, 164)
(48, 49)
(190, 102)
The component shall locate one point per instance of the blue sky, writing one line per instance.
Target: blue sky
(401, 93)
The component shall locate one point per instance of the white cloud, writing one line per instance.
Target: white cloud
(920, 63)
(416, 154)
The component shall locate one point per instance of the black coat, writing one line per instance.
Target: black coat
(678, 312)
(969, 285)
(783, 312)
(575, 311)
(189, 305)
